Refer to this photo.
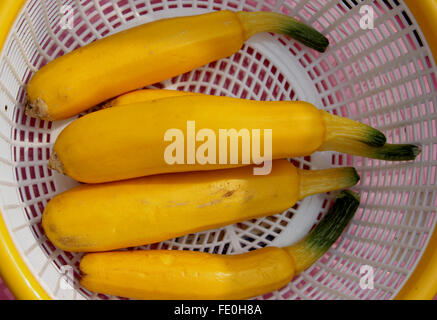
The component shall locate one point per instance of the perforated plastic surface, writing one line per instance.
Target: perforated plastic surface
(385, 77)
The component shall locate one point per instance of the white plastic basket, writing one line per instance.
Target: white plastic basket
(385, 77)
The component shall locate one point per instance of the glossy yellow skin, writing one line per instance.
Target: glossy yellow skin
(146, 95)
(132, 59)
(100, 217)
(175, 274)
(120, 143)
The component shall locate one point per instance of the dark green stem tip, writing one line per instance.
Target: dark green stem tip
(398, 152)
(308, 36)
(334, 222)
(376, 138)
(355, 177)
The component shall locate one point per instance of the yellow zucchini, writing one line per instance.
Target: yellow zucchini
(188, 275)
(101, 217)
(182, 275)
(147, 54)
(121, 143)
(145, 95)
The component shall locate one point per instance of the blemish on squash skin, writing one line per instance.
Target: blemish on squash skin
(211, 203)
(225, 187)
(68, 241)
(229, 193)
(177, 204)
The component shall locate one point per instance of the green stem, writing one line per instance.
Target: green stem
(262, 21)
(388, 152)
(352, 137)
(324, 235)
(339, 129)
(318, 181)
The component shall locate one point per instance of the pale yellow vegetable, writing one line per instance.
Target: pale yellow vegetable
(188, 275)
(145, 95)
(121, 143)
(147, 54)
(100, 217)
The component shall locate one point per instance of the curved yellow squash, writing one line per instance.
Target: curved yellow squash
(147, 54)
(121, 143)
(101, 217)
(179, 275)
(129, 60)
(146, 95)
(174, 274)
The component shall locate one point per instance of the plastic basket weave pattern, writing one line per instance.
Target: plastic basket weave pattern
(385, 77)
